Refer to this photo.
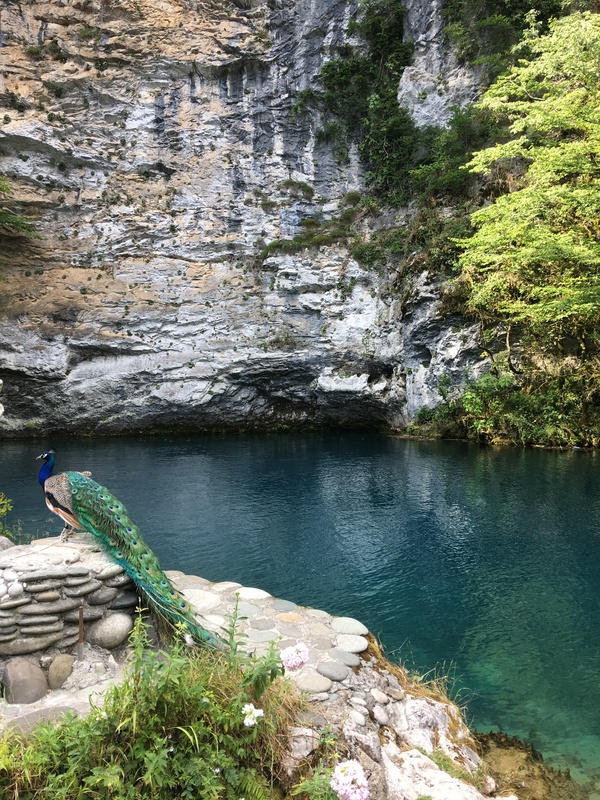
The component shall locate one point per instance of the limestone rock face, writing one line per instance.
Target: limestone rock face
(436, 81)
(157, 146)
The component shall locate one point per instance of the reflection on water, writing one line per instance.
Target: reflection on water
(487, 560)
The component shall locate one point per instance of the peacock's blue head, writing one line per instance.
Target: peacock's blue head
(47, 466)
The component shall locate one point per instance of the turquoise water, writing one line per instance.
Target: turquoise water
(485, 561)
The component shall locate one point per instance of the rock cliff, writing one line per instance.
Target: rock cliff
(156, 145)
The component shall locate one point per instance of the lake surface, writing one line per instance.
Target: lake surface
(483, 561)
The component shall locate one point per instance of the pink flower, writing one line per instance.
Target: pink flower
(295, 657)
(349, 781)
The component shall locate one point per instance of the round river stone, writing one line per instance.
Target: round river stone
(313, 682)
(111, 631)
(349, 659)
(351, 643)
(349, 625)
(333, 670)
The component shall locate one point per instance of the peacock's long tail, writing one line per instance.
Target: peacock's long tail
(105, 517)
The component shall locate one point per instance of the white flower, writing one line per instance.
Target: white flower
(295, 657)
(349, 781)
(251, 714)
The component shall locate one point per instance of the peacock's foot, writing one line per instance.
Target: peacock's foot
(65, 533)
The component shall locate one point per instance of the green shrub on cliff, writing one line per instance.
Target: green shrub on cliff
(5, 507)
(11, 224)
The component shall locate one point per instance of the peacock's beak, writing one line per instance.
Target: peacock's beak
(41, 455)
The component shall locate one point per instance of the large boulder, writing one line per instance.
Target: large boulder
(25, 681)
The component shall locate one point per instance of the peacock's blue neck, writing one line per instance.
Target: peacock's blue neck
(46, 469)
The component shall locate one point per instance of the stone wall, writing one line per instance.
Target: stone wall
(44, 586)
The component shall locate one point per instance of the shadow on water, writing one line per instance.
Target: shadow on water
(487, 559)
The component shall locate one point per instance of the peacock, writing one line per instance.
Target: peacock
(85, 505)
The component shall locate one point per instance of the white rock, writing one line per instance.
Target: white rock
(249, 593)
(356, 717)
(410, 774)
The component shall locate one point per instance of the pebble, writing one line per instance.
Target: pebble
(110, 571)
(25, 682)
(126, 599)
(351, 643)
(284, 605)
(39, 586)
(247, 609)
(289, 616)
(41, 619)
(349, 625)
(261, 624)
(102, 596)
(395, 694)
(262, 636)
(225, 586)
(47, 597)
(380, 697)
(334, 670)
(41, 630)
(80, 591)
(250, 593)
(313, 682)
(349, 659)
(59, 670)
(110, 631)
(77, 580)
(356, 717)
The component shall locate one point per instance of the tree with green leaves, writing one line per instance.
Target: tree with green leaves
(535, 256)
(533, 264)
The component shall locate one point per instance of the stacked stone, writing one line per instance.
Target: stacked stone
(40, 607)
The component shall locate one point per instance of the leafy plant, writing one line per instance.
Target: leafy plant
(358, 98)
(484, 31)
(13, 225)
(173, 727)
(5, 507)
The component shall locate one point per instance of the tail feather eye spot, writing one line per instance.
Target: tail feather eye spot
(119, 554)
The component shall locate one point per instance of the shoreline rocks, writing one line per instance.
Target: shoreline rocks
(400, 733)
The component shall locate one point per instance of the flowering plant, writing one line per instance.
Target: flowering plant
(295, 657)
(349, 781)
(251, 714)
